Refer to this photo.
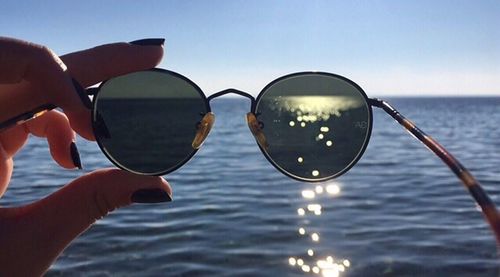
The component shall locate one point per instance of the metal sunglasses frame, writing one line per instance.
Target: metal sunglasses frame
(254, 125)
(487, 206)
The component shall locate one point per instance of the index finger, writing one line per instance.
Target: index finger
(40, 78)
(106, 61)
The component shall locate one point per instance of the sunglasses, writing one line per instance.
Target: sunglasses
(311, 126)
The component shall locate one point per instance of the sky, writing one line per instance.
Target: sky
(388, 47)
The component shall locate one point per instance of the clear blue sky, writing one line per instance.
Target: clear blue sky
(387, 47)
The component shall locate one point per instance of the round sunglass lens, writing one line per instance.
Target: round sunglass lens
(316, 125)
(145, 122)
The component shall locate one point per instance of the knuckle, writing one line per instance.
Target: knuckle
(100, 207)
(41, 52)
(46, 57)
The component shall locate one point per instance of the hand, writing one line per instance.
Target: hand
(33, 236)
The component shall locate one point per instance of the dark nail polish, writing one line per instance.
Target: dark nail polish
(82, 94)
(75, 156)
(149, 42)
(150, 196)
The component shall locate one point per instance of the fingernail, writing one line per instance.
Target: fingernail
(149, 42)
(75, 156)
(82, 94)
(150, 196)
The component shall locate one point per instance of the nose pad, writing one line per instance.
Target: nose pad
(256, 129)
(202, 129)
(101, 128)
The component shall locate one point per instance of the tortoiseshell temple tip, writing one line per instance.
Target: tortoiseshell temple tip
(203, 129)
(22, 118)
(256, 129)
(483, 201)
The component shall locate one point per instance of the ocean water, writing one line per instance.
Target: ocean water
(398, 212)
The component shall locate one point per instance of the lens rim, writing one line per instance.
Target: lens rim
(363, 148)
(103, 148)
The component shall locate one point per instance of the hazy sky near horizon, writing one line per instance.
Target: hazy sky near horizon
(387, 47)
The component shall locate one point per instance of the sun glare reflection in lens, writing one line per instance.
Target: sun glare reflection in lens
(313, 108)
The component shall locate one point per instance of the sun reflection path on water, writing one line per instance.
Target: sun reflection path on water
(310, 262)
(309, 108)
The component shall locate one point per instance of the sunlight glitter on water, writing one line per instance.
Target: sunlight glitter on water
(308, 194)
(325, 266)
(333, 189)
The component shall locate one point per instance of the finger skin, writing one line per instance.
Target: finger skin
(6, 167)
(13, 139)
(55, 126)
(10, 142)
(41, 77)
(33, 236)
(106, 61)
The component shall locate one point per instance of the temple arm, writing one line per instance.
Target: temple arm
(487, 206)
(36, 112)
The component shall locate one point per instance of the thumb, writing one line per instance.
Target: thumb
(42, 230)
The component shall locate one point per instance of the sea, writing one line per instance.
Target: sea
(398, 212)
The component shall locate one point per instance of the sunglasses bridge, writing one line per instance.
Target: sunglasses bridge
(205, 125)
